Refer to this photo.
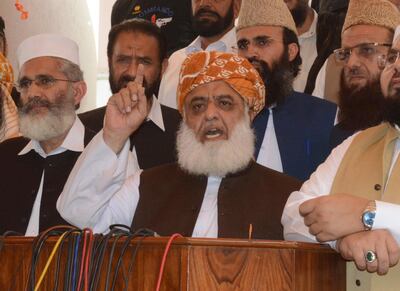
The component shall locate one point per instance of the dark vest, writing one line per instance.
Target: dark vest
(303, 124)
(153, 146)
(20, 177)
(170, 201)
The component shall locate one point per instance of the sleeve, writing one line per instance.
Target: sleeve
(102, 189)
(320, 183)
(388, 217)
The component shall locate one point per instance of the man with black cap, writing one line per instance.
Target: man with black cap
(172, 16)
(35, 167)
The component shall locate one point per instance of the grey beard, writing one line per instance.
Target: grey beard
(216, 158)
(55, 123)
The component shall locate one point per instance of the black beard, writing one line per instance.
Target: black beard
(207, 28)
(360, 108)
(278, 80)
(149, 89)
(391, 109)
(299, 13)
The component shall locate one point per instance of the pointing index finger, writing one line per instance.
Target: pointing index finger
(139, 75)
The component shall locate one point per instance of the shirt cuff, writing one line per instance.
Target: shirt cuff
(387, 216)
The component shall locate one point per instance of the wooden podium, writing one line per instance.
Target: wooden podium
(197, 264)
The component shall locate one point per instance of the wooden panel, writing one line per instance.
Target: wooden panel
(230, 268)
(194, 264)
(315, 271)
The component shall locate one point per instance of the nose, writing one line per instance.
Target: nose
(353, 61)
(251, 52)
(203, 3)
(211, 112)
(132, 69)
(32, 91)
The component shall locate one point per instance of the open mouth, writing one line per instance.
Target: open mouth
(213, 133)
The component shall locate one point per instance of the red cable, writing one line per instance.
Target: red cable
(86, 286)
(82, 259)
(167, 247)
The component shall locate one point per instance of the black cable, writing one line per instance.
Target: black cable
(121, 255)
(57, 272)
(140, 232)
(36, 249)
(117, 237)
(100, 260)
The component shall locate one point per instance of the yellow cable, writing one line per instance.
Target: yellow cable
(53, 252)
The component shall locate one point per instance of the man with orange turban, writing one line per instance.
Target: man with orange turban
(214, 190)
(9, 126)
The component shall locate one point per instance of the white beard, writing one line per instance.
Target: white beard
(56, 122)
(216, 158)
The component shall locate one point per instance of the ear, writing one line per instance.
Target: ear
(236, 7)
(164, 66)
(293, 51)
(79, 89)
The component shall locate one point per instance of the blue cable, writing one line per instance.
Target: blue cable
(74, 269)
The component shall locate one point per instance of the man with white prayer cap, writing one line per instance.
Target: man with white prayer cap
(36, 165)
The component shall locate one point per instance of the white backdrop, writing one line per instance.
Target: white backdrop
(85, 21)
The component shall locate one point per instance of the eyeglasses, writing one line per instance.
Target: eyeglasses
(42, 81)
(364, 50)
(390, 59)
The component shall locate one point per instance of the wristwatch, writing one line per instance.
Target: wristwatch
(368, 216)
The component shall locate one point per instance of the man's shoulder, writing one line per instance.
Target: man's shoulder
(271, 175)
(309, 100)
(12, 146)
(177, 55)
(93, 119)
(310, 109)
(171, 115)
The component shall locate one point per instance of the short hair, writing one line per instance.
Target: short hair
(290, 37)
(137, 25)
(71, 70)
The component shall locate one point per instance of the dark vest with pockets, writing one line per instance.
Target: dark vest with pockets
(170, 201)
(20, 177)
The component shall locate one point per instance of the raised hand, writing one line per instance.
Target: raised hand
(126, 111)
(331, 217)
(355, 246)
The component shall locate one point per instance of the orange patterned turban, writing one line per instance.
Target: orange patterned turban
(205, 67)
(6, 73)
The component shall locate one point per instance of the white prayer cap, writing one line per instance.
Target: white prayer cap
(47, 45)
(396, 35)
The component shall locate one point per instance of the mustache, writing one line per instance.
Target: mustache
(262, 67)
(33, 103)
(354, 72)
(205, 10)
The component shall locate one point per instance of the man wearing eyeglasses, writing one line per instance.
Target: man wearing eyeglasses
(365, 40)
(293, 129)
(213, 21)
(352, 201)
(36, 166)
